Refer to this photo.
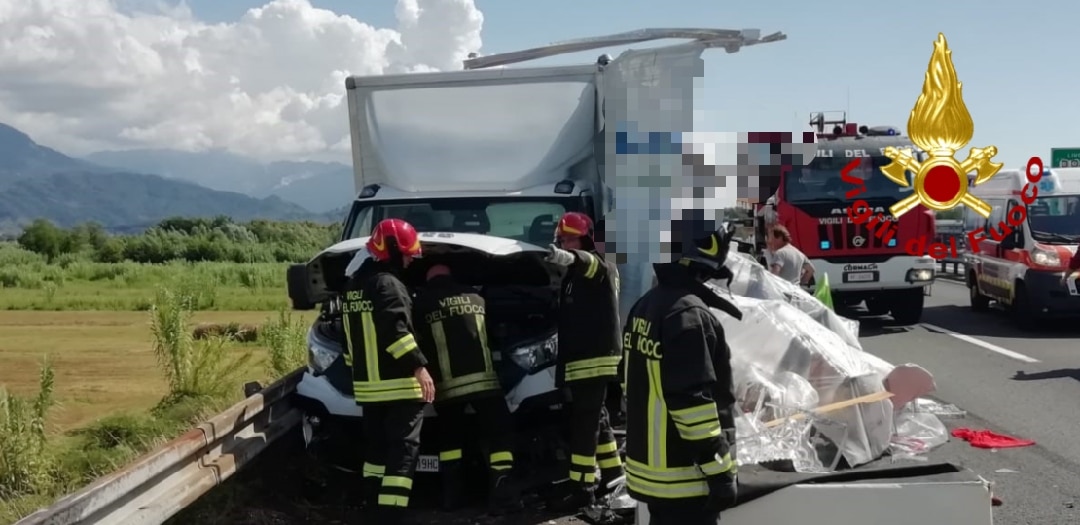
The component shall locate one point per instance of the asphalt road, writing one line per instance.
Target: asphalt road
(1022, 384)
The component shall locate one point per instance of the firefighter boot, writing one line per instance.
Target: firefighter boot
(453, 485)
(504, 496)
(571, 496)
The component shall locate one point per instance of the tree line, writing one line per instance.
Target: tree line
(216, 239)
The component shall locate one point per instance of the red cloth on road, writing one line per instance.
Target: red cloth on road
(988, 439)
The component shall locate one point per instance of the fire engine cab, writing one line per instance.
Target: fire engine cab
(1023, 256)
(862, 262)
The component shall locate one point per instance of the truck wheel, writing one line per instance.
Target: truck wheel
(907, 306)
(1021, 309)
(979, 302)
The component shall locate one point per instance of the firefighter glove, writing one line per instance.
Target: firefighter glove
(559, 256)
(722, 492)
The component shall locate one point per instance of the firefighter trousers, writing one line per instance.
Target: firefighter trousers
(392, 447)
(494, 423)
(689, 512)
(592, 443)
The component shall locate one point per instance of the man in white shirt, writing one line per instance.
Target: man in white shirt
(786, 260)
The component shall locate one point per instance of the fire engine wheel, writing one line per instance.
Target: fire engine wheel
(907, 306)
(979, 302)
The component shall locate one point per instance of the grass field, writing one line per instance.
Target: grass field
(98, 362)
(131, 286)
(104, 361)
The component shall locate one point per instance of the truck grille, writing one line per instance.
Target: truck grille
(849, 236)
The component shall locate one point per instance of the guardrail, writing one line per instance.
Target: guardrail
(165, 481)
(957, 266)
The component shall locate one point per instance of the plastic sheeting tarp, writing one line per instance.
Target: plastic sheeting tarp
(753, 280)
(775, 338)
(787, 332)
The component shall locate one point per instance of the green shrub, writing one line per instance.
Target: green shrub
(25, 468)
(193, 369)
(286, 339)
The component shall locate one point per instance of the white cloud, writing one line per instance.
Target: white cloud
(85, 75)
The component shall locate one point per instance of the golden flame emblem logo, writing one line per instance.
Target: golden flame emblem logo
(940, 125)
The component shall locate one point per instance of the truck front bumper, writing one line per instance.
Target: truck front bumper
(901, 272)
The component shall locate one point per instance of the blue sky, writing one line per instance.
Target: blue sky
(1014, 58)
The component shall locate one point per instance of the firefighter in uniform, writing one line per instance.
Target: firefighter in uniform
(588, 359)
(451, 329)
(679, 395)
(390, 381)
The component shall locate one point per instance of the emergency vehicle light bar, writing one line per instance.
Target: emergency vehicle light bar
(821, 119)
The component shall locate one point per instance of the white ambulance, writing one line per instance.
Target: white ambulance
(1019, 259)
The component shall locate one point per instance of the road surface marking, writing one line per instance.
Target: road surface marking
(980, 343)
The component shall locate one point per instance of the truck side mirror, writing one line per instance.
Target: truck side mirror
(296, 278)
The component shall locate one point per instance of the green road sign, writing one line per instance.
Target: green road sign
(1064, 158)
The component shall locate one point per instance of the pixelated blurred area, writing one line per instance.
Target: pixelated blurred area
(652, 191)
(765, 155)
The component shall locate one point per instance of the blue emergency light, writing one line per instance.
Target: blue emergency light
(825, 245)
(1046, 183)
(879, 131)
(892, 243)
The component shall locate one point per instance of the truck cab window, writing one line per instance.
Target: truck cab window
(1055, 219)
(821, 181)
(996, 216)
(526, 220)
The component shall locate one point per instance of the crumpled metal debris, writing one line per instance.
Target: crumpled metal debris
(617, 507)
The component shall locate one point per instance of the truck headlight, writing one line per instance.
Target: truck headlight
(1043, 257)
(322, 351)
(920, 275)
(537, 355)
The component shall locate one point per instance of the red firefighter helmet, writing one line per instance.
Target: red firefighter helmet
(392, 236)
(574, 224)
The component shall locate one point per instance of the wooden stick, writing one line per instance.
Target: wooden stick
(832, 407)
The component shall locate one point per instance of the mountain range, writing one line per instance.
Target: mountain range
(130, 190)
(316, 186)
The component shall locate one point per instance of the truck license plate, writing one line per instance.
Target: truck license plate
(860, 277)
(428, 464)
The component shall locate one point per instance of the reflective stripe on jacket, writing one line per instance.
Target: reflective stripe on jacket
(382, 351)
(589, 330)
(679, 396)
(451, 327)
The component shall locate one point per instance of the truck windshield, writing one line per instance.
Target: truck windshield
(1055, 219)
(529, 220)
(820, 182)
